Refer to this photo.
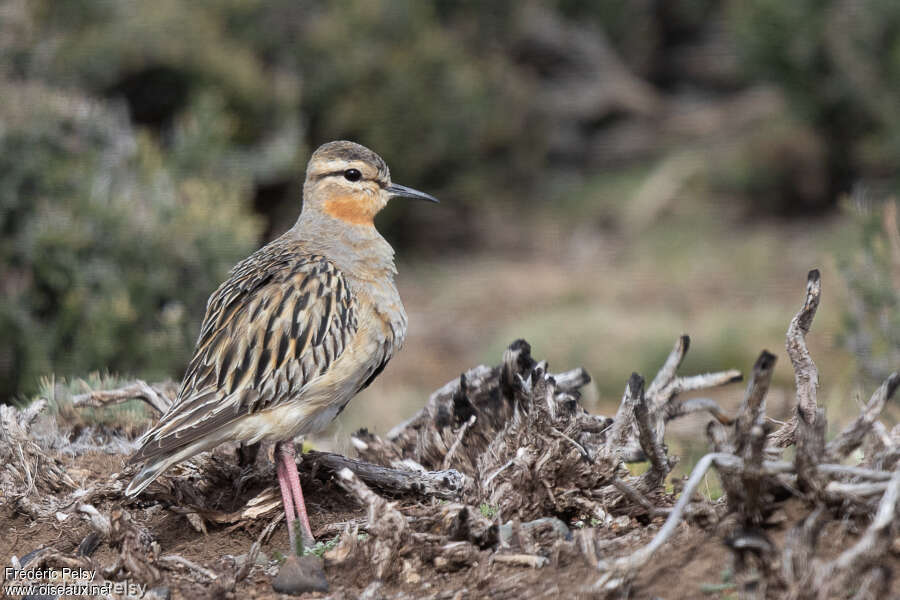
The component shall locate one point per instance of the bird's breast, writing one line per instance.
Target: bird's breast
(381, 310)
(381, 329)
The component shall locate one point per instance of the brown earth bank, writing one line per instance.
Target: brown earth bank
(695, 562)
(501, 486)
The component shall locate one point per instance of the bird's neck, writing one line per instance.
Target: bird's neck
(357, 250)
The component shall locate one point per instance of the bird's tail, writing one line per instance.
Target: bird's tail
(146, 476)
(155, 466)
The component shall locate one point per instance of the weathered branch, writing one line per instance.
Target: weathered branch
(637, 497)
(723, 461)
(386, 524)
(855, 472)
(447, 484)
(799, 548)
(667, 373)
(621, 434)
(870, 548)
(571, 381)
(637, 559)
(651, 443)
(806, 375)
(152, 395)
(662, 407)
(692, 383)
(853, 435)
(868, 488)
(809, 438)
(753, 408)
(666, 385)
(692, 405)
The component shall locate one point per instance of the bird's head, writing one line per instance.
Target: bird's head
(349, 182)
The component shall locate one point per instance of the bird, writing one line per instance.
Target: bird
(295, 332)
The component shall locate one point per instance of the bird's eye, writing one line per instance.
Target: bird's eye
(352, 175)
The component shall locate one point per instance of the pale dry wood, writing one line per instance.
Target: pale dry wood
(573, 380)
(448, 459)
(447, 484)
(868, 551)
(839, 470)
(265, 504)
(744, 488)
(637, 498)
(854, 434)
(154, 395)
(389, 528)
(662, 396)
(861, 490)
(177, 559)
(806, 375)
(521, 560)
(752, 410)
(620, 437)
(667, 373)
(809, 438)
(799, 550)
(677, 410)
(617, 568)
(666, 385)
(651, 442)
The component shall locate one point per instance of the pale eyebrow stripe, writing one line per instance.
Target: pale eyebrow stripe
(328, 174)
(376, 179)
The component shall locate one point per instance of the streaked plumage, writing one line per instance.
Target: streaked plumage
(278, 323)
(298, 328)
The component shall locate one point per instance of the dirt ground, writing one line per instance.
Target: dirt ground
(411, 547)
(694, 564)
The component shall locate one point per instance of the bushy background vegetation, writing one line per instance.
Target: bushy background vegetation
(110, 245)
(147, 146)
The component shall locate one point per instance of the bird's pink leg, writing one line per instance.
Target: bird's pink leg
(288, 458)
(285, 485)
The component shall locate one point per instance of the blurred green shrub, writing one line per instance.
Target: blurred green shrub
(780, 168)
(440, 112)
(159, 55)
(454, 117)
(449, 115)
(872, 318)
(109, 246)
(837, 62)
(113, 236)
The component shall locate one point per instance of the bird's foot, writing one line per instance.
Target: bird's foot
(301, 574)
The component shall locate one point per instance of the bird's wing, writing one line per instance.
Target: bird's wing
(278, 322)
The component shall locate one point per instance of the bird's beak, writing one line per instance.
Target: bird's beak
(401, 190)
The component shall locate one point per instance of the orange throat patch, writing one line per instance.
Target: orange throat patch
(357, 209)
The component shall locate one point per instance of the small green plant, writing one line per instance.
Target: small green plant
(320, 548)
(488, 511)
(716, 588)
